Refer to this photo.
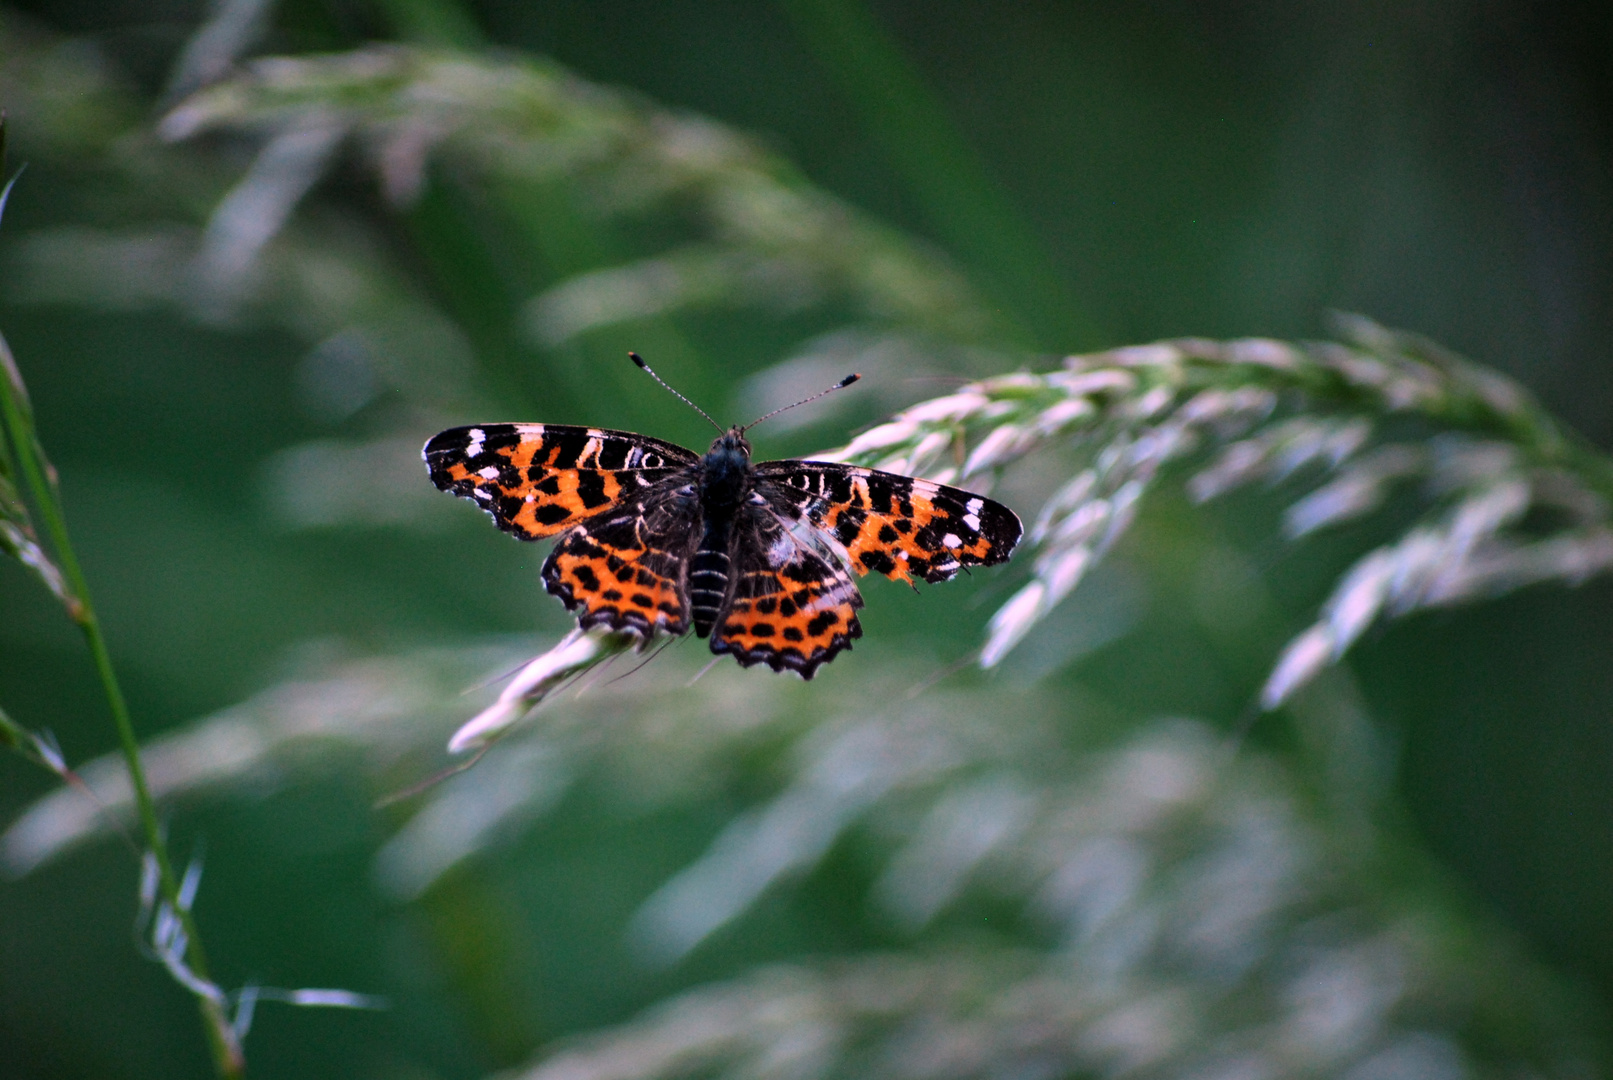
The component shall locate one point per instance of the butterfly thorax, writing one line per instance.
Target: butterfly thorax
(725, 474)
(725, 478)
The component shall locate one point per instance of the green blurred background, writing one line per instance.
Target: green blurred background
(1099, 173)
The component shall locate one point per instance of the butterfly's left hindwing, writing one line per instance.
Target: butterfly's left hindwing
(899, 526)
(537, 480)
(628, 569)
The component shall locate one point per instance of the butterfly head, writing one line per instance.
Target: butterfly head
(730, 446)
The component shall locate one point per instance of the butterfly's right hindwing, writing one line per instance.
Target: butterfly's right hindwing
(791, 605)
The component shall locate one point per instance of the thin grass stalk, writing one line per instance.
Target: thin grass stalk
(15, 736)
(228, 1059)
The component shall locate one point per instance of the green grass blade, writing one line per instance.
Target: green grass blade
(964, 203)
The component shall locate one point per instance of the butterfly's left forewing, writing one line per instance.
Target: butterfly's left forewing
(537, 480)
(899, 526)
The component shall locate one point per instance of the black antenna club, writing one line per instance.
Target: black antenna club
(841, 385)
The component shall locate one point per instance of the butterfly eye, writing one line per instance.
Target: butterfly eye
(800, 482)
(650, 461)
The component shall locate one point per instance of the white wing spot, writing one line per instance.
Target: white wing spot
(781, 550)
(489, 473)
(481, 494)
(950, 540)
(477, 437)
(972, 510)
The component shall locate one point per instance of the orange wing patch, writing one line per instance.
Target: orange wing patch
(557, 502)
(896, 540)
(632, 588)
(796, 617)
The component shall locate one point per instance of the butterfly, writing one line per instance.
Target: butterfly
(654, 538)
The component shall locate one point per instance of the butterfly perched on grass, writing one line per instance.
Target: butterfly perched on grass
(655, 538)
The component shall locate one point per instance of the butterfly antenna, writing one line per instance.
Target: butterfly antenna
(640, 665)
(429, 782)
(639, 360)
(841, 385)
(715, 660)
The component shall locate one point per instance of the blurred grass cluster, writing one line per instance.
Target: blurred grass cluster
(1269, 756)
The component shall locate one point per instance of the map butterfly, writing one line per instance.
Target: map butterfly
(656, 538)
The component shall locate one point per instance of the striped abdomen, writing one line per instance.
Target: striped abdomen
(708, 581)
